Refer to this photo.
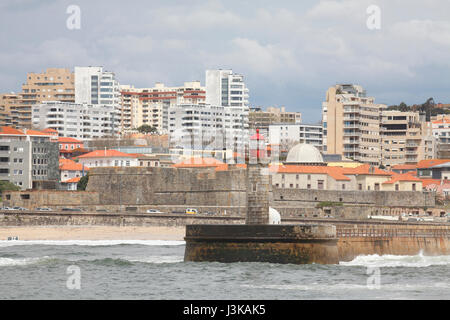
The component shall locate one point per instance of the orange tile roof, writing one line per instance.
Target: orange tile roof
(68, 140)
(196, 162)
(49, 130)
(105, 154)
(423, 164)
(365, 169)
(73, 180)
(334, 172)
(404, 167)
(37, 133)
(70, 165)
(9, 130)
(402, 177)
(427, 182)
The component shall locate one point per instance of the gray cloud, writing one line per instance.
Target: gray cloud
(289, 52)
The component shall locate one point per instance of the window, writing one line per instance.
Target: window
(308, 186)
(360, 186)
(320, 184)
(414, 187)
(396, 187)
(343, 186)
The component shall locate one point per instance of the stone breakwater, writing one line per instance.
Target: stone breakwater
(355, 237)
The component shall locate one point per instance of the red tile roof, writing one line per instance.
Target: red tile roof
(73, 180)
(404, 167)
(49, 130)
(68, 140)
(105, 154)
(366, 169)
(402, 177)
(334, 172)
(423, 164)
(198, 162)
(10, 131)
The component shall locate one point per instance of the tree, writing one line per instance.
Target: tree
(82, 184)
(145, 128)
(8, 186)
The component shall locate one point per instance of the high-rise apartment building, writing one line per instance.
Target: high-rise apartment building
(56, 84)
(77, 120)
(226, 89)
(204, 127)
(95, 86)
(351, 122)
(149, 106)
(401, 137)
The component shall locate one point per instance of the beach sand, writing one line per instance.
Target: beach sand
(93, 233)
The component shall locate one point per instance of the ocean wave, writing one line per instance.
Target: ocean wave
(158, 259)
(9, 243)
(7, 262)
(416, 261)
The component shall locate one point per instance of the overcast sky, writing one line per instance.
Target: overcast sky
(290, 52)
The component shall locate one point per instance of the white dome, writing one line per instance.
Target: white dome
(274, 216)
(304, 153)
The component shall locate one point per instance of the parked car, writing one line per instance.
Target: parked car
(20, 208)
(43, 209)
(191, 211)
(6, 208)
(153, 211)
(71, 209)
(210, 213)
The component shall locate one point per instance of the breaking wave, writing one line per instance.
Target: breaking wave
(7, 262)
(415, 261)
(9, 243)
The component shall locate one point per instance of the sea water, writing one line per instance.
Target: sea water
(137, 269)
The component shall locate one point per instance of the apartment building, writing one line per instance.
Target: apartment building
(208, 127)
(150, 106)
(351, 123)
(27, 157)
(289, 134)
(95, 86)
(225, 88)
(75, 120)
(440, 127)
(401, 137)
(260, 119)
(55, 84)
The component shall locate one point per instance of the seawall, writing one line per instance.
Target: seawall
(355, 237)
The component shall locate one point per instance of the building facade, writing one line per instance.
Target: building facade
(55, 84)
(27, 157)
(226, 89)
(351, 122)
(289, 134)
(204, 126)
(82, 121)
(149, 106)
(260, 119)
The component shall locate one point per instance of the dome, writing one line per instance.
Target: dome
(274, 216)
(304, 154)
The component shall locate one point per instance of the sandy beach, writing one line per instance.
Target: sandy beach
(93, 233)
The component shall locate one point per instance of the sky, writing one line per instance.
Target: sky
(290, 52)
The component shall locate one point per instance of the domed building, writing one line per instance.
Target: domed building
(305, 154)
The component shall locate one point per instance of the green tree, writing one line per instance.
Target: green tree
(82, 184)
(8, 186)
(145, 128)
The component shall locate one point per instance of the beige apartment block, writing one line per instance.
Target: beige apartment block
(406, 138)
(55, 84)
(150, 106)
(263, 119)
(351, 123)
(9, 116)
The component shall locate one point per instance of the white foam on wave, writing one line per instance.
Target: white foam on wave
(416, 261)
(9, 243)
(6, 262)
(157, 259)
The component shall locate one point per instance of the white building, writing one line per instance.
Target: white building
(82, 121)
(95, 86)
(287, 134)
(223, 88)
(108, 158)
(208, 127)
